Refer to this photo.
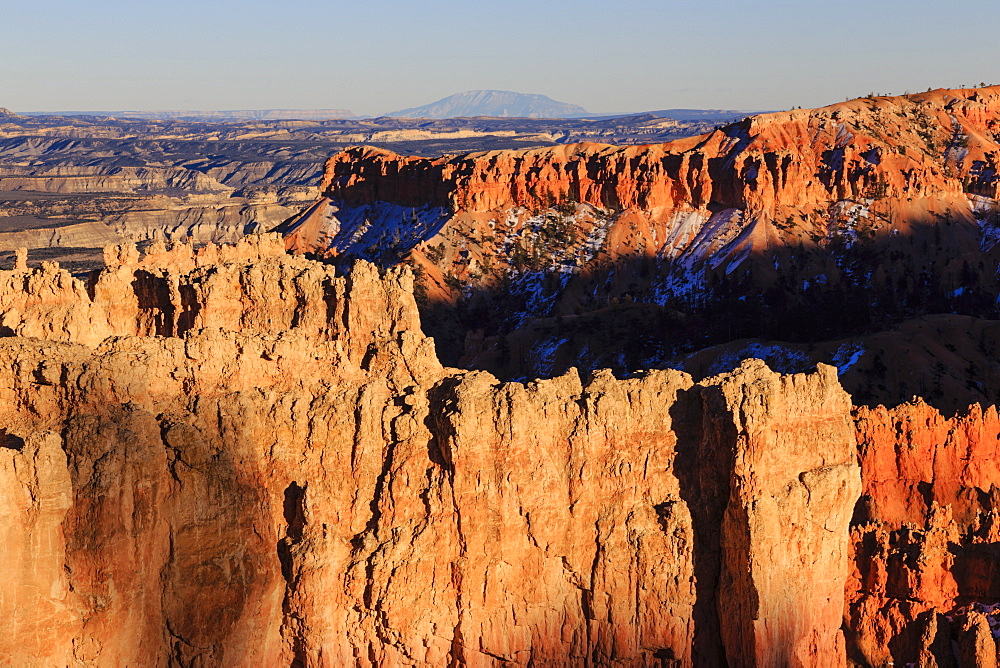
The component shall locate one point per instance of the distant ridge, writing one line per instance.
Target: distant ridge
(230, 115)
(685, 115)
(706, 115)
(500, 103)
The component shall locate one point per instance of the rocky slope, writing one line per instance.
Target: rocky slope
(203, 181)
(805, 225)
(234, 456)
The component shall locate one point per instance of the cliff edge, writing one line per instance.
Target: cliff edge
(240, 457)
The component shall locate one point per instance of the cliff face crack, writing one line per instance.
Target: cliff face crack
(703, 454)
(288, 548)
(174, 455)
(360, 541)
(180, 642)
(294, 513)
(587, 594)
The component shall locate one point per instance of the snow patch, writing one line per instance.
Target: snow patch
(844, 136)
(847, 215)
(371, 230)
(543, 356)
(847, 355)
(987, 213)
(695, 241)
(568, 257)
(990, 610)
(779, 358)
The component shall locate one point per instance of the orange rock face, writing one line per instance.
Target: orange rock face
(883, 164)
(237, 456)
(781, 531)
(805, 225)
(243, 458)
(796, 158)
(926, 533)
(912, 457)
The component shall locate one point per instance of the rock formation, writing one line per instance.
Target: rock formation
(84, 182)
(843, 175)
(234, 456)
(806, 225)
(935, 146)
(926, 534)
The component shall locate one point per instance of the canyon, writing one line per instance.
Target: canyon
(70, 185)
(233, 455)
(785, 231)
(727, 400)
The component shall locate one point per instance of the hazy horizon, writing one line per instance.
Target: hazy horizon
(388, 55)
(222, 111)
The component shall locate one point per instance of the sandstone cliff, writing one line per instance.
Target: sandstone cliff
(803, 225)
(925, 536)
(876, 163)
(237, 457)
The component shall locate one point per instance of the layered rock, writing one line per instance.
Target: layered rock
(805, 225)
(224, 220)
(928, 149)
(153, 179)
(926, 534)
(234, 456)
(82, 179)
(78, 235)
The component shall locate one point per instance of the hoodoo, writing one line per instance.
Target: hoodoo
(254, 459)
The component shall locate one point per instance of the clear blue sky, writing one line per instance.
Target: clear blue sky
(376, 56)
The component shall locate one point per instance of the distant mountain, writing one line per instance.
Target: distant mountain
(231, 115)
(500, 103)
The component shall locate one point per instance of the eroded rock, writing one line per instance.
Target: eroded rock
(285, 474)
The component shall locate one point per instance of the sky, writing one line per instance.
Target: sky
(376, 56)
